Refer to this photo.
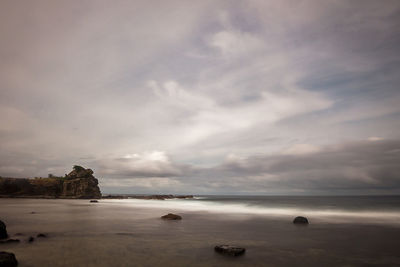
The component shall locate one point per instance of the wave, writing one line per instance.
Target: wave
(321, 215)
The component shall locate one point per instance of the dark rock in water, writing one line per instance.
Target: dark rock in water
(9, 241)
(93, 201)
(300, 220)
(3, 230)
(41, 235)
(31, 239)
(171, 216)
(7, 259)
(229, 250)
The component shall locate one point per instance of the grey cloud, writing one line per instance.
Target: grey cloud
(335, 169)
(93, 82)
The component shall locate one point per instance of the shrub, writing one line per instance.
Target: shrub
(78, 168)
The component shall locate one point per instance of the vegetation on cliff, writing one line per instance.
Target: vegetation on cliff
(79, 183)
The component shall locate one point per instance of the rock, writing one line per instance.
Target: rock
(93, 201)
(3, 230)
(229, 250)
(171, 216)
(185, 196)
(300, 220)
(7, 259)
(31, 239)
(41, 235)
(9, 241)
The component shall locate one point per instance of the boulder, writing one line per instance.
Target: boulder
(3, 230)
(31, 239)
(229, 250)
(171, 216)
(94, 201)
(300, 220)
(7, 259)
(41, 235)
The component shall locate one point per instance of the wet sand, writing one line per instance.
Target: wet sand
(110, 233)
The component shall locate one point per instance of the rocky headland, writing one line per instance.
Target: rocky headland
(79, 183)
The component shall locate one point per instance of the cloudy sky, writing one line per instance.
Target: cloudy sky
(204, 97)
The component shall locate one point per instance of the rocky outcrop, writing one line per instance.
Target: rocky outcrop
(79, 183)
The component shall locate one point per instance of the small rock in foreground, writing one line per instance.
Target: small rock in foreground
(300, 220)
(31, 239)
(94, 201)
(3, 230)
(229, 250)
(41, 235)
(9, 241)
(8, 259)
(171, 216)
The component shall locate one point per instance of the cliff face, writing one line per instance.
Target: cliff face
(79, 183)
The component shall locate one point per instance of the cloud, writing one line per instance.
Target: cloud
(136, 92)
(147, 164)
(336, 169)
(235, 43)
(300, 149)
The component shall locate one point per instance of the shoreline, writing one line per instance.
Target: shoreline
(158, 197)
(117, 233)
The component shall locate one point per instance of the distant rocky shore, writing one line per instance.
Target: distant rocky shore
(79, 183)
(159, 197)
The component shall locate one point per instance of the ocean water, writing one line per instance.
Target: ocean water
(362, 209)
(343, 231)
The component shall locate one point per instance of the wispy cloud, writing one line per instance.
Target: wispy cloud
(140, 93)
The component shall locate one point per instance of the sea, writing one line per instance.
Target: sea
(342, 231)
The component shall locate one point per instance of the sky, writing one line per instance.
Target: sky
(204, 97)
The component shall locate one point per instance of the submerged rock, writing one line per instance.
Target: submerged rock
(171, 216)
(94, 201)
(300, 220)
(8, 259)
(230, 250)
(3, 230)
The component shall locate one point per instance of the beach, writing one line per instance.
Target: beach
(129, 232)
